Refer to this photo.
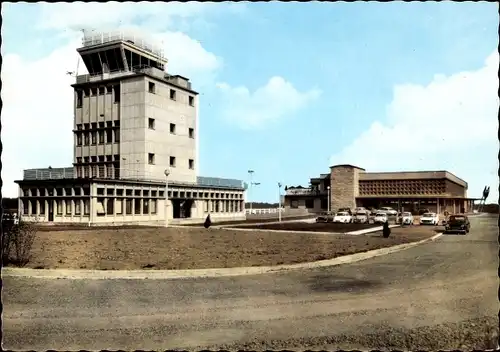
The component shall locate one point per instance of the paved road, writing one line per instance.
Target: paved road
(448, 281)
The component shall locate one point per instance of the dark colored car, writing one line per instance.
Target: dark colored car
(325, 217)
(458, 223)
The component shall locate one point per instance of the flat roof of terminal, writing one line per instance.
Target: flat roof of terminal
(411, 175)
(66, 174)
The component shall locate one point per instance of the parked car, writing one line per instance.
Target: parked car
(325, 217)
(380, 218)
(389, 211)
(361, 217)
(457, 223)
(10, 217)
(345, 210)
(423, 211)
(342, 217)
(406, 218)
(429, 219)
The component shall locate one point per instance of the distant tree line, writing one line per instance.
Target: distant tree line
(260, 205)
(9, 203)
(491, 208)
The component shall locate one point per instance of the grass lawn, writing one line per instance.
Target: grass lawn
(191, 248)
(254, 220)
(315, 227)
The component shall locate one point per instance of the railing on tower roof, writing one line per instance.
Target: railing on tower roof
(48, 173)
(153, 71)
(219, 182)
(91, 38)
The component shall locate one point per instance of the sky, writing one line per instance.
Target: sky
(286, 89)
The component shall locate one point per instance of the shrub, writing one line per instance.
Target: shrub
(7, 233)
(17, 242)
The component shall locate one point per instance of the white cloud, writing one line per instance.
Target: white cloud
(452, 124)
(154, 15)
(274, 101)
(37, 114)
(186, 56)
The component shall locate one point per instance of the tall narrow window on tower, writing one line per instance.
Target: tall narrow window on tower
(191, 100)
(109, 136)
(191, 133)
(151, 87)
(151, 123)
(172, 161)
(117, 93)
(151, 159)
(79, 98)
(191, 164)
(172, 128)
(172, 94)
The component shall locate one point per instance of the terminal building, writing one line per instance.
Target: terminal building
(135, 147)
(348, 186)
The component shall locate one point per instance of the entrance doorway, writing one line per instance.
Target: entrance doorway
(181, 208)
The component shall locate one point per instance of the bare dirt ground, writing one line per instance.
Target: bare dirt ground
(473, 334)
(190, 248)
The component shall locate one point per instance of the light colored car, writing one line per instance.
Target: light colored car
(380, 218)
(406, 218)
(342, 217)
(429, 219)
(361, 217)
(363, 210)
(389, 211)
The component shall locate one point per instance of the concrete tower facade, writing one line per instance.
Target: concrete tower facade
(132, 119)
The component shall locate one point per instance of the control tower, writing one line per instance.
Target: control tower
(132, 122)
(132, 119)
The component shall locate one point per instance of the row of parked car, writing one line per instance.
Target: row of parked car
(377, 216)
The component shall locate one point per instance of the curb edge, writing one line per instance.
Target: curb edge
(82, 274)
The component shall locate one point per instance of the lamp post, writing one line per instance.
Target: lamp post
(328, 197)
(167, 173)
(279, 201)
(250, 174)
